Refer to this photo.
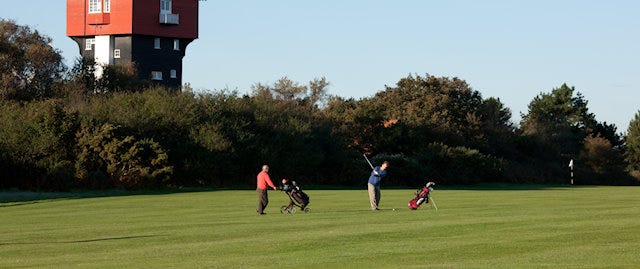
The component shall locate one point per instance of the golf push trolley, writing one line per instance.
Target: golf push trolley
(297, 198)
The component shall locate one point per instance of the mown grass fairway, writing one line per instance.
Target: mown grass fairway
(566, 227)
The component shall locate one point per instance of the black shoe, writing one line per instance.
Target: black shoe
(262, 213)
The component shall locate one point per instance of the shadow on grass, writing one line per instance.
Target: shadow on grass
(80, 241)
(506, 187)
(19, 198)
(480, 186)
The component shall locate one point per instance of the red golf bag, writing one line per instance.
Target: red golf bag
(422, 196)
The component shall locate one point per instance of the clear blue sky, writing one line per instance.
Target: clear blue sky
(512, 50)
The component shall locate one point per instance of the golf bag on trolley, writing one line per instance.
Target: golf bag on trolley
(297, 198)
(422, 196)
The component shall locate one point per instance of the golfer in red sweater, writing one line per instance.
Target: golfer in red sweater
(263, 181)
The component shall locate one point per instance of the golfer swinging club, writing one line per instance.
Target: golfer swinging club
(373, 186)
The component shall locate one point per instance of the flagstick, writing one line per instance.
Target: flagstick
(571, 166)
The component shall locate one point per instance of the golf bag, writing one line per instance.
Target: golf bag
(297, 197)
(422, 196)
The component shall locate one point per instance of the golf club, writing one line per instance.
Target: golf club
(365, 157)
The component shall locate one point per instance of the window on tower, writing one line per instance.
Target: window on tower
(176, 44)
(95, 6)
(156, 75)
(166, 13)
(165, 6)
(89, 43)
(156, 43)
(107, 6)
(173, 73)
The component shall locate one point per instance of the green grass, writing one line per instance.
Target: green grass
(561, 227)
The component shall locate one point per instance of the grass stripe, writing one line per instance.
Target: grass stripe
(557, 227)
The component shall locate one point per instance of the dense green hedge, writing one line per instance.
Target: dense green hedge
(157, 138)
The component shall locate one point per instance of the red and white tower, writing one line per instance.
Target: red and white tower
(153, 34)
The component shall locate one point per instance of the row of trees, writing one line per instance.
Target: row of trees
(64, 129)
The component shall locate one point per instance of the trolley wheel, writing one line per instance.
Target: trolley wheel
(307, 210)
(284, 210)
(292, 210)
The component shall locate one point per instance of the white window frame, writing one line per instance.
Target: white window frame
(156, 43)
(173, 73)
(116, 53)
(107, 6)
(176, 44)
(156, 75)
(165, 6)
(95, 6)
(89, 42)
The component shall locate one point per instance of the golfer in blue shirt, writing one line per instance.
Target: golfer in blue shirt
(374, 184)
